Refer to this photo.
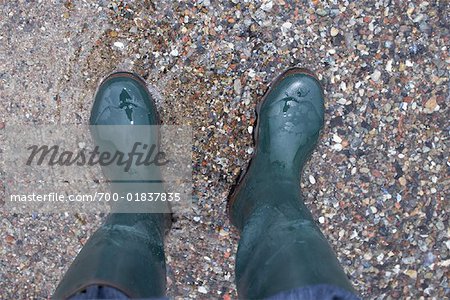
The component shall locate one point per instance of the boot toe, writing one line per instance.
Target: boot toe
(290, 117)
(292, 93)
(123, 99)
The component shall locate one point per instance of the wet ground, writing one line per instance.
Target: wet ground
(377, 184)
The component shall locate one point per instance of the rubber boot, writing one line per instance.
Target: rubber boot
(127, 252)
(281, 247)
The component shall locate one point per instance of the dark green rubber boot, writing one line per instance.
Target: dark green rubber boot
(127, 252)
(281, 247)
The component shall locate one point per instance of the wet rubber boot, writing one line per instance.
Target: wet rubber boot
(281, 247)
(127, 252)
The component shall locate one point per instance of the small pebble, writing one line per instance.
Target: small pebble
(119, 45)
(334, 31)
(376, 75)
(411, 273)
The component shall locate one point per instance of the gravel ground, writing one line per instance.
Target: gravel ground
(378, 183)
